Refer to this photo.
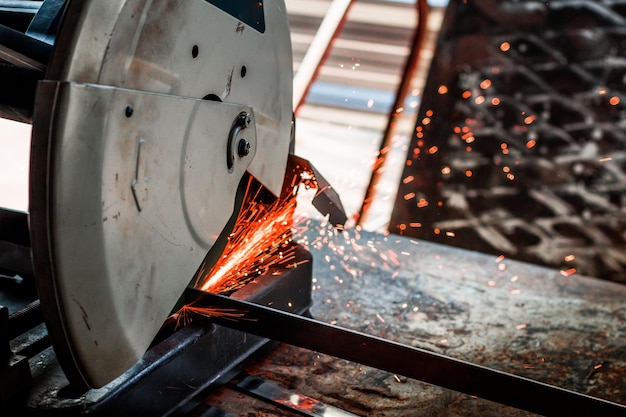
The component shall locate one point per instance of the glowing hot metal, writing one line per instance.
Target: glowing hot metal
(263, 233)
(261, 238)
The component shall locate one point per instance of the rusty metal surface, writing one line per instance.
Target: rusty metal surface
(519, 140)
(512, 316)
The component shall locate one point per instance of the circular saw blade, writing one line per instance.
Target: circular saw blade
(130, 186)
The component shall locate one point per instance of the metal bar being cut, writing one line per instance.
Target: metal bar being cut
(490, 384)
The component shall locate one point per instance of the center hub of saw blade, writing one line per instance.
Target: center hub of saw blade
(215, 156)
(241, 123)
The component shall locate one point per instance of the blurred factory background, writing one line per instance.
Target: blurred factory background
(511, 140)
(518, 146)
(519, 143)
(342, 120)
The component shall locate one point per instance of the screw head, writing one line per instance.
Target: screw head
(243, 148)
(244, 120)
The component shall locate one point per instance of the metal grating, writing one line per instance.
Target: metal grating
(520, 143)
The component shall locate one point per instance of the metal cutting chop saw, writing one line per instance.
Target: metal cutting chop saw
(149, 116)
(149, 120)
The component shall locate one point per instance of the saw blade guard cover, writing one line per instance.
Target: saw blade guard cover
(126, 196)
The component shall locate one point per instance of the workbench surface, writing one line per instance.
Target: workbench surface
(566, 330)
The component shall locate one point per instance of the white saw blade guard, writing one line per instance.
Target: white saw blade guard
(150, 114)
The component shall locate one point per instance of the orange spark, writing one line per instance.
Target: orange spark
(262, 238)
(302, 402)
(249, 256)
(184, 316)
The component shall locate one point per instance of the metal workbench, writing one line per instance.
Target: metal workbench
(569, 331)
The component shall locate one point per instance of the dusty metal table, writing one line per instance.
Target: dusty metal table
(569, 331)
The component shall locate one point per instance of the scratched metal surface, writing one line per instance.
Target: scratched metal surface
(512, 316)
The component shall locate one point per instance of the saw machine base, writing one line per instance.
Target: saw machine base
(174, 371)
